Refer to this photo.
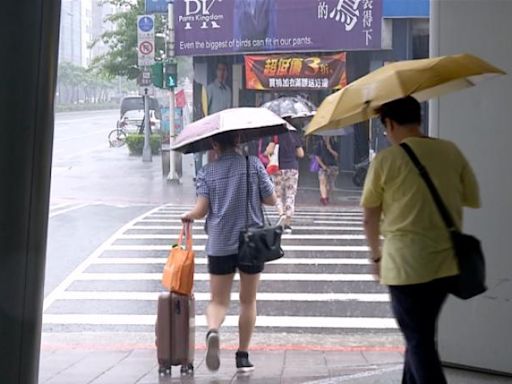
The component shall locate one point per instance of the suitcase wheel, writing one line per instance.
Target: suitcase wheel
(187, 369)
(164, 371)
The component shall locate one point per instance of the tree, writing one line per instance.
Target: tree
(70, 77)
(121, 59)
(75, 83)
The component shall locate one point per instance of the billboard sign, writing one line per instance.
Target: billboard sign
(213, 27)
(295, 72)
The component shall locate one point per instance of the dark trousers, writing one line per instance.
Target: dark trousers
(416, 308)
(198, 161)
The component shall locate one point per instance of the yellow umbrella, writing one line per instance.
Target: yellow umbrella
(422, 79)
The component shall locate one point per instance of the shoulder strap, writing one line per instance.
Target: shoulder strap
(247, 201)
(441, 207)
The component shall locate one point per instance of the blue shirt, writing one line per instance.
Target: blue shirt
(219, 97)
(223, 183)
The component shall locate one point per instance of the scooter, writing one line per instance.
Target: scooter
(361, 169)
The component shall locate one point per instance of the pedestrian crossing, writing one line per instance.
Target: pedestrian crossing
(59, 208)
(322, 283)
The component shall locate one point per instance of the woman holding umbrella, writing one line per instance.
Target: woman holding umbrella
(295, 110)
(230, 193)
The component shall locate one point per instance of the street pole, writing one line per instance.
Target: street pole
(172, 177)
(146, 152)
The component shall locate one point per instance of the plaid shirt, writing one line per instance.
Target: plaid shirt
(223, 183)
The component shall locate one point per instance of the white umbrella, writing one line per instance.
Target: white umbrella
(250, 123)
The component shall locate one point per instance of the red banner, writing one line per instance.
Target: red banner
(295, 72)
(181, 100)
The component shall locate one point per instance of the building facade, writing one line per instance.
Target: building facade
(70, 43)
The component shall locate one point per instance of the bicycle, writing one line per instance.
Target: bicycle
(117, 137)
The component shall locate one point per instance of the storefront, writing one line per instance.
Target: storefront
(249, 52)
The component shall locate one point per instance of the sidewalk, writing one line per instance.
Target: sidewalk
(138, 366)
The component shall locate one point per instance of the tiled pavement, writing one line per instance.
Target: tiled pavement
(272, 367)
(139, 366)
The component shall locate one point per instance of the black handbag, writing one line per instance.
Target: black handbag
(258, 245)
(468, 250)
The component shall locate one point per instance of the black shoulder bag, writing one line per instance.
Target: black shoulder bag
(258, 245)
(468, 251)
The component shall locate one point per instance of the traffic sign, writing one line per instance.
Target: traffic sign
(144, 78)
(146, 47)
(145, 60)
(146, 23)
(146, 40)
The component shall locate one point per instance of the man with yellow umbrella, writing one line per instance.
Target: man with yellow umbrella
(417, 262)
(417, 259)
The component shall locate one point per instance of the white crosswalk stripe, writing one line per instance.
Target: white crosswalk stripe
(57, 209)
(323, 281)
(230, 321)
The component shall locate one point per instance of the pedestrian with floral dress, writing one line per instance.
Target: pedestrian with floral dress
(287, 179)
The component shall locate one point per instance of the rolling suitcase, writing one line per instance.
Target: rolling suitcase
(175, 332)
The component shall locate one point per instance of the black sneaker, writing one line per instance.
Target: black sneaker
(242, 362)
(212, 350)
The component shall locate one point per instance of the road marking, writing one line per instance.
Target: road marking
(204, 261)
(285, 237)
(204, 296)
(347, 378)
(60, 205)
(276, 216)
(337, 222)
(295, 228)
(231, 321)
(206, 277)
(167, 221)
(50, 299)
(343, 222)
(299, 212)
(300, 248)
(295, 218)
(73, 208)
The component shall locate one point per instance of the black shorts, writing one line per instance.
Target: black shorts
(226, 265)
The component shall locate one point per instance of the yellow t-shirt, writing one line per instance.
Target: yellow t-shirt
(417, 246)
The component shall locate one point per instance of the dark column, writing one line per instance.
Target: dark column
(29, 33)
(358, 65)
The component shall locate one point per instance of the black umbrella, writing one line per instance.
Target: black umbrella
(291, 107)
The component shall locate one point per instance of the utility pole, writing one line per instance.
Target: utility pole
(146, 151)
(172, 177)
(146, 57)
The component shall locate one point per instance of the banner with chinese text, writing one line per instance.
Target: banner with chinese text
(282, 72)
(214, 27)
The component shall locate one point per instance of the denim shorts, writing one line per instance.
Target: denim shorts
(226, 265)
